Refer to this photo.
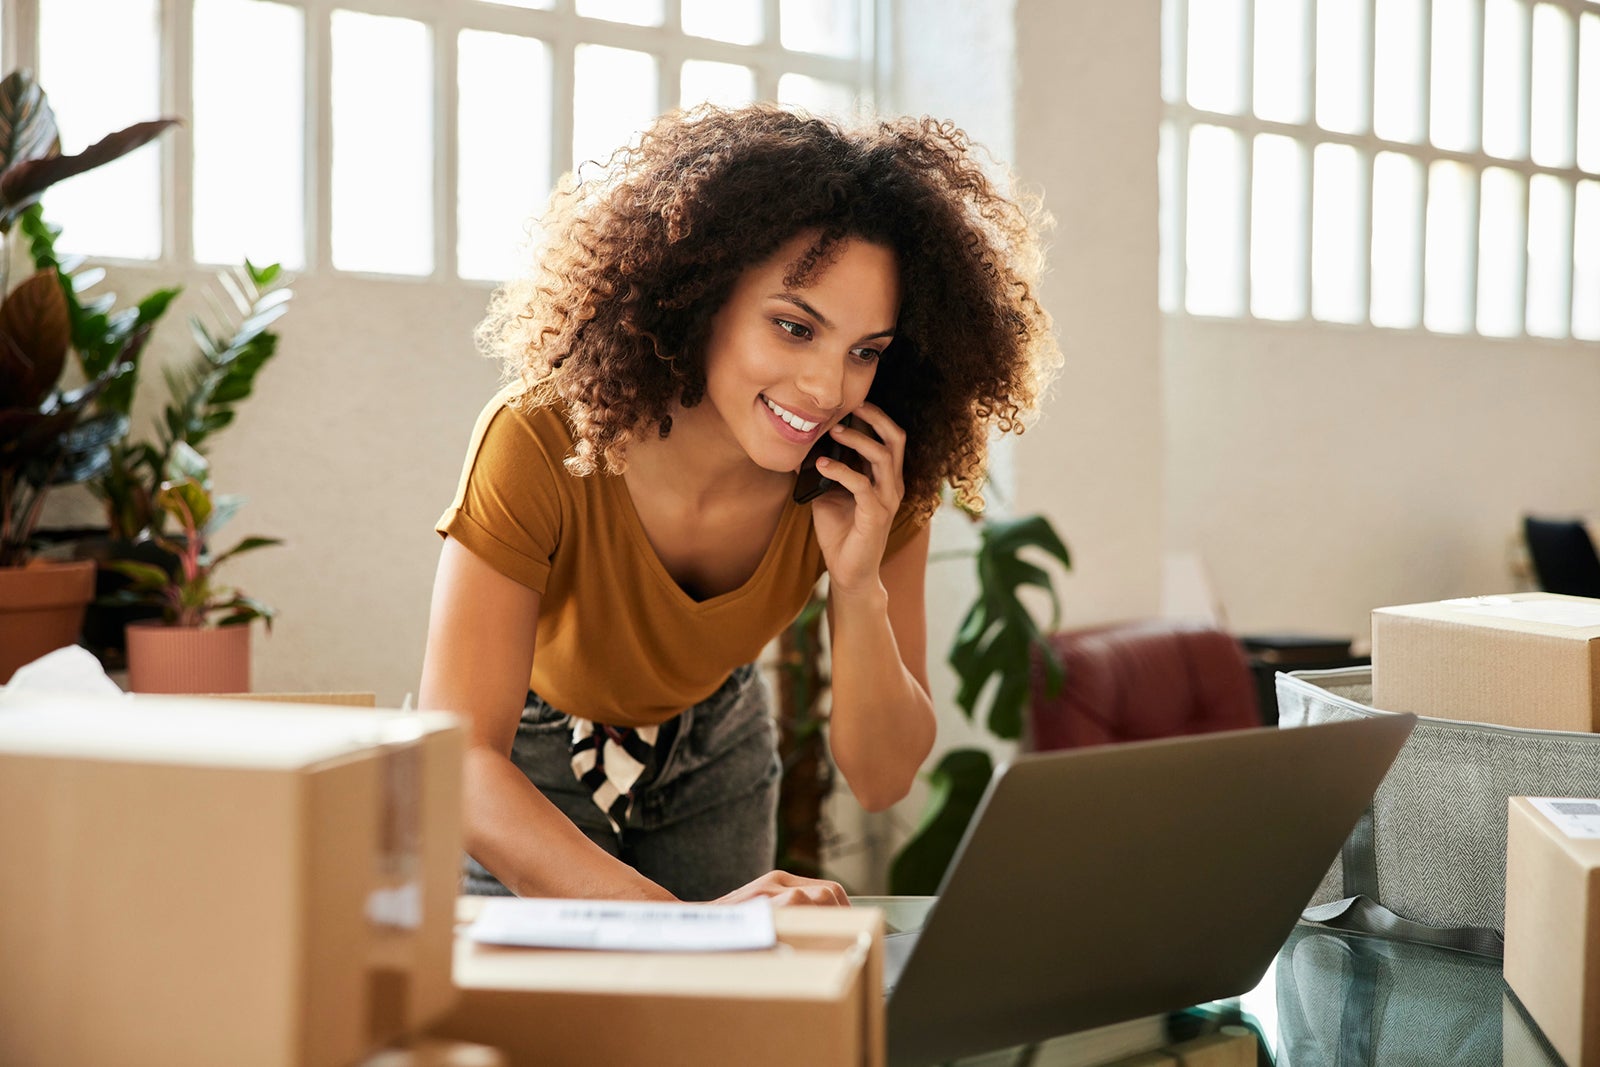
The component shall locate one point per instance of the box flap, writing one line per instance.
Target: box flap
(206, 733)
(1572, 618)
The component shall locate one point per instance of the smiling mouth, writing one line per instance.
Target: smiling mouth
(799, 424)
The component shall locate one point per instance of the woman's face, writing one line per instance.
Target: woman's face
(783, 365)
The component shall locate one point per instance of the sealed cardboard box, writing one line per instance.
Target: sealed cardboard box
(816, 998)
(1522, 659)
(208, 882)
(1552, 960)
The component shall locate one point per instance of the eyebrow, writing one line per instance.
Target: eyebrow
(823, 319)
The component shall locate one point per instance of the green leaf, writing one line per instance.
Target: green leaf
(1032, 531)
(957, 787)
(184, 462)
(187, 501)
(143, 575)
(249, 544)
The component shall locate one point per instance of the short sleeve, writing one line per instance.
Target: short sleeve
(906, 525)
(507, 508)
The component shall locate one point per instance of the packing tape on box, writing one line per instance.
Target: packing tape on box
(397, 902)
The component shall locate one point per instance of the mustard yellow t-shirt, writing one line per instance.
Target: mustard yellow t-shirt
(619, 641)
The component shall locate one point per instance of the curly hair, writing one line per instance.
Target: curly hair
(613, 319)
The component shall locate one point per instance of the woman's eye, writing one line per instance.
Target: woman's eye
(868, 355)
(795, 329)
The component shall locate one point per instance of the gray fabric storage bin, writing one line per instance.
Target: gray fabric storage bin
(1439, 818)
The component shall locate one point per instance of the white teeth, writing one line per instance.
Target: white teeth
(791, 418)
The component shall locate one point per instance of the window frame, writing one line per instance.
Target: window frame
(1179, 117)
(560, 28)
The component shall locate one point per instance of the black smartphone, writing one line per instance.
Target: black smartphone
(810, 483)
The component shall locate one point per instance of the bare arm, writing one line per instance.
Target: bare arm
(882, 724)
(480, 650)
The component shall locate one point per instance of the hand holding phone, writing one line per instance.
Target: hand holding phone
(811, 483)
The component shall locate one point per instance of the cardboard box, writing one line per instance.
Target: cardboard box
(817, 998)
(1552, 959)
(208, 882)
(1523, 659)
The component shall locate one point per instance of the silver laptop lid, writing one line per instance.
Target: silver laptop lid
(1102, 884)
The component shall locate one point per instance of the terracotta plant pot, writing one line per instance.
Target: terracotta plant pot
(188, 659)
(41, 609)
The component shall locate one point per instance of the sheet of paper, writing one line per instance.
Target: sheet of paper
(1573, 817)
(1554, 612)
(625, 926)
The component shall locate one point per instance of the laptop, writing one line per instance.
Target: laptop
(1103, 884)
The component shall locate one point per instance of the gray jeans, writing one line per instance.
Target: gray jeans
(702, 825)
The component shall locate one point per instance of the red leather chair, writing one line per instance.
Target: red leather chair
(1137, 681)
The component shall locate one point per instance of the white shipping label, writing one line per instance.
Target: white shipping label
(1553, 612)
(1573, 817)
(624, 925)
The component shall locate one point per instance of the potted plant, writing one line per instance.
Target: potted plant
(202, 399)
(201, 642)
(996, 642)
(48, 434)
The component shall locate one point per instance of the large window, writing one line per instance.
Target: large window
(1415, 164)
(409, 138)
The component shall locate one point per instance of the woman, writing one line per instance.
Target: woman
(626, 537)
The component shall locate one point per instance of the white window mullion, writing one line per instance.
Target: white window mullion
(1308, 66)
(670, 57)
(1420, 233)
(319, 135)
(562, 71)
(1180, 159)
(177, 152)
(446, 148)
(1364, 260)
(1247, 64)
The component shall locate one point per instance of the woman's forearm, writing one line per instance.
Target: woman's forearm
(531, 846)
(882, 724)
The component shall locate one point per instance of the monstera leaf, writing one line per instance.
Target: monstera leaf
(998, 637)
(957, 786)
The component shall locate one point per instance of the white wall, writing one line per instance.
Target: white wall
(1323, 471)
(349, 450)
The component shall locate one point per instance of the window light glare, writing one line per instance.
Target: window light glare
(630, 12)
(1277, 228)
(613, 100)
(1214, 244)
(501, 181)
(724, 84)
(1586, 263)
(1505, 79)
(1452, 212)
(1342, 66)
(1397, 75)
(1552, 134)
(1502, 241)
(249, 123)
(1549, 255)
(823, 27)
(1589, 92)
(733, 21)
(1216, 55)
(115, 210)
(1453, 119)
(1396, 241)
(1282, 46)
(1338, 234)
(382, 104)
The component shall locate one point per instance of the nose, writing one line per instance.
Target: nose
(821, 380)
